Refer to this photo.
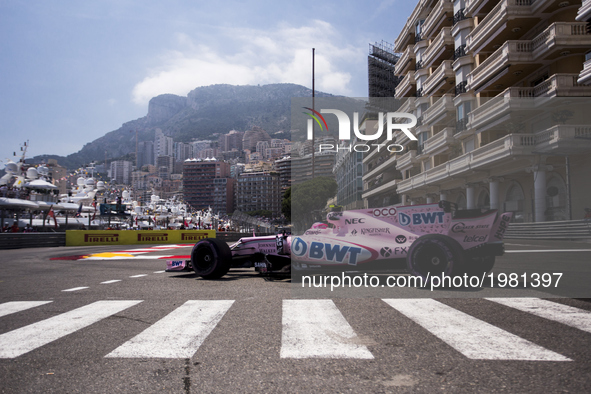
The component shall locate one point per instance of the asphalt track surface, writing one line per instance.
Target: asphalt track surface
(116, 323)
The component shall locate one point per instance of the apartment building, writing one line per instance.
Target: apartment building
(500, 91)
(259, 191)
(201, 185)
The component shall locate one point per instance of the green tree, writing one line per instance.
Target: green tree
(309, 198)
(286, 204)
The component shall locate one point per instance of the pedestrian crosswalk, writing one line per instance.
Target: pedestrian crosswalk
(309, 328)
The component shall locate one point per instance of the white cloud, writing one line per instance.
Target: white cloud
(281, 55)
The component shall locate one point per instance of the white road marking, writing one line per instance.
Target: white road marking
(565, 314)
(547, 250)
(110, 281)
(470, 336)
(28, 338)
(138, 276)
(159, 272)
(16, 306)
(76, 288)
(177, 335)
(317, 329)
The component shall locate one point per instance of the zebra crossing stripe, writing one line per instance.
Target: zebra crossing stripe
(571, 316)
(28, 338)
(317, 329)
(470, 336)
(177, 335)
(16, 306)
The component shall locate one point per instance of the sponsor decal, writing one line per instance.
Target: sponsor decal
(461, 226)
(193, 236)
(420, 218)
(400, 239)
(312, 232)
(503, 226)
(355, 221)
(101, 238)
(336, 253)
(299, 247)
(354, 232)
(375, 231)
(152, 237)
(475, 238)
(334, 215)
(325, 251)
(387, 251)
(383, 212)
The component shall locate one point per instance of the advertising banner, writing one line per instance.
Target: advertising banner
(128, 237)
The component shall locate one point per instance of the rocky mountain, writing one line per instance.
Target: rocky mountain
(203, 113)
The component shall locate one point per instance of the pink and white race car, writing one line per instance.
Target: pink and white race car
(431, 239)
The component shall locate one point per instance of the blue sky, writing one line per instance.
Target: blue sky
(72, 71)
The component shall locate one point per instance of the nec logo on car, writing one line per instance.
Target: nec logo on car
(420, 218)
(354, 221)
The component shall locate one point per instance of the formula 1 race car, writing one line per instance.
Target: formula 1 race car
(432, 239)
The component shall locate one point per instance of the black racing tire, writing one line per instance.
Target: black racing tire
(435, 255)
(211, 258)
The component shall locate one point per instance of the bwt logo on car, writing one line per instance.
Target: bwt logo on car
(326, 251)
(420, 218)
(345, 129)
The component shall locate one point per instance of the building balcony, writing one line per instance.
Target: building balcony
(406, 61)
(585, 75)
(380, 168)
(380, 188)
(560, 36)
(437, 17)
(497, 21)
(559, 39)
(406, 161)
(516, 100)
(584, 12)
(440, 111)
(510, 53)
(439, 143)
(408, 105)
(406, 87)
(439, 78)
(562, 85)
(510, 100)
(441, 47)
(492, 154)
(564, 140)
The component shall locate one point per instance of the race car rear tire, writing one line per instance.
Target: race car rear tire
(211, 258)
(435, 255)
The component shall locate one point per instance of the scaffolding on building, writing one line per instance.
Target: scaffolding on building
(380, 64)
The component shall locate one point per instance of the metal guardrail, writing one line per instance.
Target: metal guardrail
(567, 229)
(31, 240)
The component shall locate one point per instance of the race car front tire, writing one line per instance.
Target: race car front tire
(211, 258)
(435, 255)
